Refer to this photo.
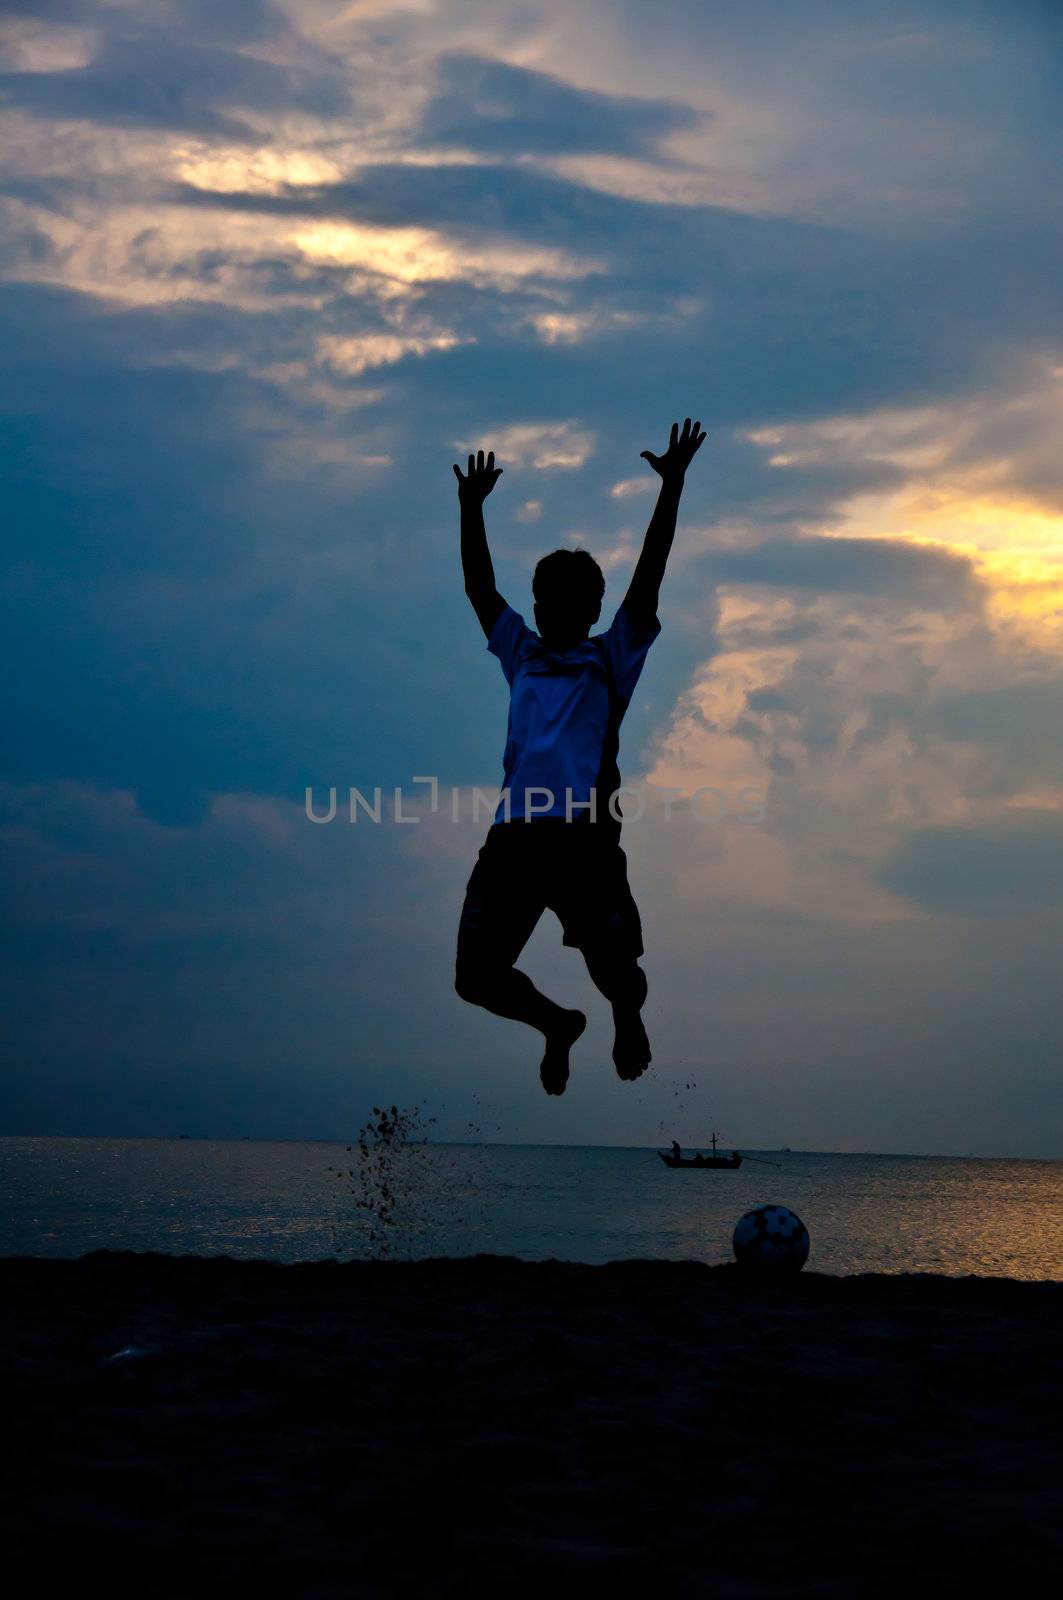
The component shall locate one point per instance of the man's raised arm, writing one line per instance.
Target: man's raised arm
(473, 489)
(640, 602)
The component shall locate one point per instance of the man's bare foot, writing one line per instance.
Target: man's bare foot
(554, 1069)
(631, 1050)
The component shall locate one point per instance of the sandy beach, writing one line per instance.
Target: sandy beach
(489, 1426)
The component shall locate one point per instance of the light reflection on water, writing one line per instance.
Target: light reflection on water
(63, 1197)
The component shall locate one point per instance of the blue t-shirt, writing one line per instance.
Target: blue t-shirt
(564, 711)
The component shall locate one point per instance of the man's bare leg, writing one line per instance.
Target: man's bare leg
(623, 984)
(631, 1045)
(508, 992)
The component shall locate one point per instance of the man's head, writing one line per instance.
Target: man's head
(568, 587)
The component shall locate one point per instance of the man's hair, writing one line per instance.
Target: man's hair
(566, 574)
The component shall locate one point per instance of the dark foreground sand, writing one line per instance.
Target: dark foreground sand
(495, 1427)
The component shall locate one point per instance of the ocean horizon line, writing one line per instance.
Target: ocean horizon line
(532, 1144)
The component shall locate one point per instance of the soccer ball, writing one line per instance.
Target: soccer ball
(772, 1239)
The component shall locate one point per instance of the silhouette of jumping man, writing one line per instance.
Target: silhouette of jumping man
(554, 842)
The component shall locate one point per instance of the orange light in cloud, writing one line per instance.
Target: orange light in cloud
(1015, 546)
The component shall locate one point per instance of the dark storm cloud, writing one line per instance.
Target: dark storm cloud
(1017, 724)
(1008, 865)
(488, 105)
(238, 21)
(154, 569)
(854, 566)
(185, 72)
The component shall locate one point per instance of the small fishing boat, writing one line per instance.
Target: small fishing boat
(716, 1162)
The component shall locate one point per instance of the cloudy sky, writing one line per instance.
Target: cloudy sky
(266, 270)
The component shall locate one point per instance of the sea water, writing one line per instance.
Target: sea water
(300, 1202)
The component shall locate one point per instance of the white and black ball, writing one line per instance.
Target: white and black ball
(771, 1239)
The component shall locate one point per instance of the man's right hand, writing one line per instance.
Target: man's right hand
(682, 448)
(476, 484)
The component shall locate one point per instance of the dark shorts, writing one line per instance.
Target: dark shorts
(576, 870)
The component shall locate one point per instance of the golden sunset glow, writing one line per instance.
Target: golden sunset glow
(421, 255)
(1015, 547)
(269, 171)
